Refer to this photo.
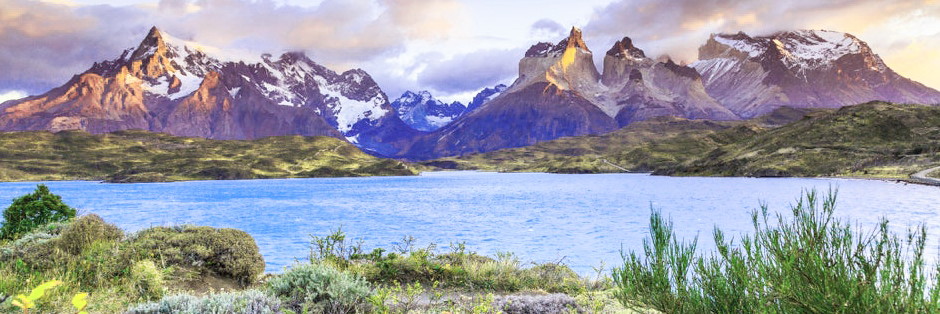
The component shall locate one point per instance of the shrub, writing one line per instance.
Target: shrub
(226, 252)
(244, 302)
(537, 304)
(86, 230)
(18, 247)
(99, 264)
(458, 268)
(33, 210)
(321, 288)
(806, 262)
(147, 279)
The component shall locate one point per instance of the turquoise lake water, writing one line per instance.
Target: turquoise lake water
(582, 220)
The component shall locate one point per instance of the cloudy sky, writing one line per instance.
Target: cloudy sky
(452, 48)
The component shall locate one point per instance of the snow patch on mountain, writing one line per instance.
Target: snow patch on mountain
(439, 121)
(188, 85)
(803, 49)
(423, 112)
(349, 112)
(752, 49)
(285, 81)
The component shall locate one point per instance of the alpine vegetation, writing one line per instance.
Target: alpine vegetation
(808, 261)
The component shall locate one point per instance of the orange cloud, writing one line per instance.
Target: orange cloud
(427, 19)
(918, 61)
(56, 18)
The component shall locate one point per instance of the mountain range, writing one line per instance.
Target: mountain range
(182, 88)
(421, 111)
(179, 87)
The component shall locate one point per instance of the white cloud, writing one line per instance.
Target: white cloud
(43, 43)
(451, 47)
(11, 95)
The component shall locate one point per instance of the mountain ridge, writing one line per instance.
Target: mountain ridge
(170, 85)
(752, 75)
(154, 87)
(421, 111)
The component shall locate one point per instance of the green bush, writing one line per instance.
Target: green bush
(147, 279)
(39, 236)
(36, 249)
(33, 210)
(458, 268)
(319, 288)
(86, 230)
(226, 252)
(806, 262)
(244, 302)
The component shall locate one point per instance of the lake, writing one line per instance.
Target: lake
(582, 220)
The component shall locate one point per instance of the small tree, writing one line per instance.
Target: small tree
(33, 210)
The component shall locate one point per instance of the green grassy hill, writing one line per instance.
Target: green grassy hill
(640, 146)
(643, 146)
(869, 140)
(139, 156)
(878, 140)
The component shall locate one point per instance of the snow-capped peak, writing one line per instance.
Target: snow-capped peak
(170, 67)
(573, 41)
(422, 111)
(806, 49)
(624, 48)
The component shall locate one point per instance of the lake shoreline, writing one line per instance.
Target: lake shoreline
(909, 180)
(594, 213)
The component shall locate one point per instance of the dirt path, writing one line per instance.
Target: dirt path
(921, 177)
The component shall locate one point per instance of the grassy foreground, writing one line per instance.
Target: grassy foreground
(808, 261)
(190, 269)
(139, 156)
(872, 140)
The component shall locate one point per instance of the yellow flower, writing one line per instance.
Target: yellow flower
(27, 302)
(79, 301)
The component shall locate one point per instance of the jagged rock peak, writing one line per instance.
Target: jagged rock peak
(544, 49)
(574, 40)
(151, 44)
(292, 57)
(539, 50)
(624, 48)
(682, 70)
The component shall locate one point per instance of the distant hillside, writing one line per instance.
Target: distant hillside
(877, 139)
(871, 140)
(139, 156)
(641, 146)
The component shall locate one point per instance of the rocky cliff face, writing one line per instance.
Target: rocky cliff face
(639, 88)
(547, 101)
(178, 87)
(804, 69)
(568, 65)
(535, 113)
